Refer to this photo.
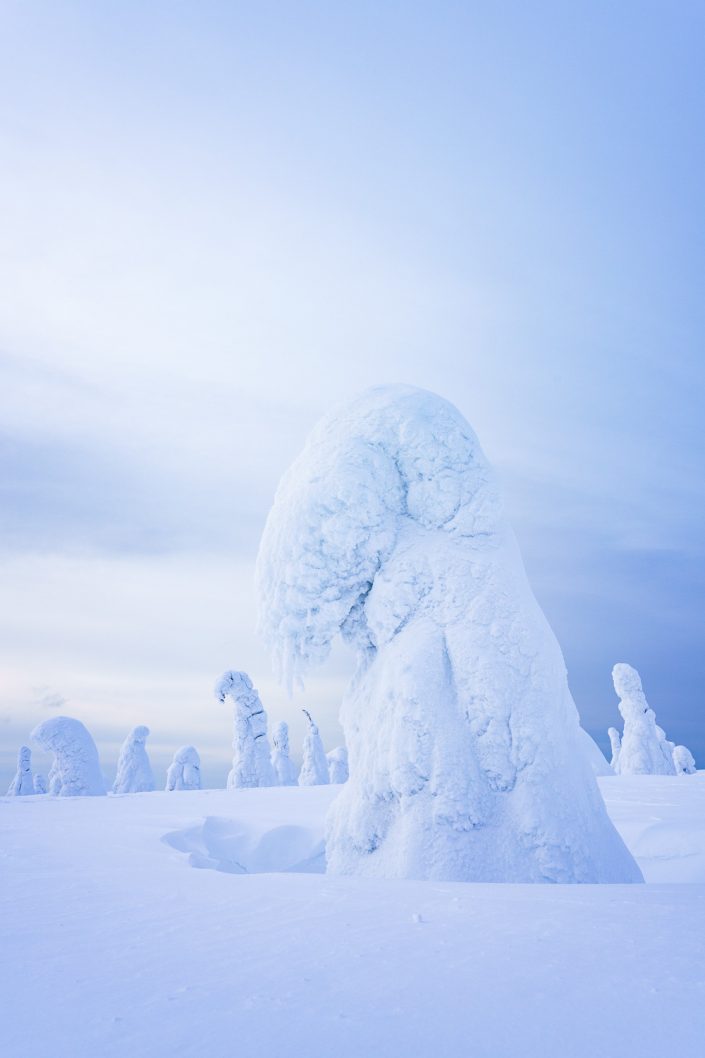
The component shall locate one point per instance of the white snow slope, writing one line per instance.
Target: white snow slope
(113, 944)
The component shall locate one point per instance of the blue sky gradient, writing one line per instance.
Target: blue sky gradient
(220, 218)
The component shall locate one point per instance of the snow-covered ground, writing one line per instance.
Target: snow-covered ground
(115, 943)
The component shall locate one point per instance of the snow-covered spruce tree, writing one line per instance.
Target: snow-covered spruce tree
(134, 772)
(75, 771)
(281, 761)
(252, 765)
(683, 761)
(40, 785)
(314, 769)
(338, 765)
(22, 783)
(464, 742)
(184, 772)
(643, 750)
(615, 744)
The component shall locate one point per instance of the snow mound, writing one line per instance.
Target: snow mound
(466, 760)
(238, 848)
(75, 771)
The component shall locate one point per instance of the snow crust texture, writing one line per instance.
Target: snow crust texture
(338, 765)
(134, 772)
(22, 784)
(314, 769)
(644, 749)
(252, 764)
(281, 761)
(75, 771)
(466, 759)
(184, 772)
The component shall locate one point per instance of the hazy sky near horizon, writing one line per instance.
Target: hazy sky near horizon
(218, 219)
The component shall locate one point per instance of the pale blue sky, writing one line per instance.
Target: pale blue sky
(219, 218)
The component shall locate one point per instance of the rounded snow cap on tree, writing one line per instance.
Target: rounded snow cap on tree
(233, 683)
(683, 760)
(187, 755)
(627, 681)
(139, 734)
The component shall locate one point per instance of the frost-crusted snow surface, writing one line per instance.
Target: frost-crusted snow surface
(644, 749)
(466, 758)
(252, 765)
(134, 772)
(75, 771)
(126, 949)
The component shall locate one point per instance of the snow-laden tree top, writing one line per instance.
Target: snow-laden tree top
(466, 760)
(252, 765)
(644, 748)
(76, 768)
(396, 458)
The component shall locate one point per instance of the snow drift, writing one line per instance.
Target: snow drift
(252, 764)
(134, 772)
(466, 760)
(644, 749)
(75, 771)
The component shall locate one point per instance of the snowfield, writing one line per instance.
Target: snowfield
(200, 923)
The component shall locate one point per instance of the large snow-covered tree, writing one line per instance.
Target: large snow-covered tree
(281, 761)
(464, 742)
(644, 749)
(134, 772)
(184, 772)
(314, 767)
(75, 771)
(338, 765)
(22, 784)
(252, 764)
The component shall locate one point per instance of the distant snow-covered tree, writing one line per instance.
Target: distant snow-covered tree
(314, 770)
(643, 750)
(40, 785)
(184, 772)
(338, 765)
(252, 764)
(615, 744)
(134, 772)
(75, 771)
(281, 761)
(22, 783)
(683, 761)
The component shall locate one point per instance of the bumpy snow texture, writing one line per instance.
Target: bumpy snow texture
(644, 749)
(184, 772)
(683, 761)
(615, 744)
(134, 772)
(314, 768)
(281, 761)
(338, 765)
(22, 783)
(75, 771)
(466, 760)
(252, 765)
(40, 785)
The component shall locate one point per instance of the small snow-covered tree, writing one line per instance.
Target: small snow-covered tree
(40, 786)
(75, 771)
(184, 772)
(389, 530)
(281, 761)
(134, 772)
(337, 765)
(683, 761)
(22, 783)
(615, 744)
(252, 764)
(643, 750)
(314, 770)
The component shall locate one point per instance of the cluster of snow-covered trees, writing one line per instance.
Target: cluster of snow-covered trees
(642, 748)
(76, 771)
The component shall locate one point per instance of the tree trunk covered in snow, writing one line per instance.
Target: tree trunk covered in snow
(252, 764)
(644, 749)
(464, 742)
